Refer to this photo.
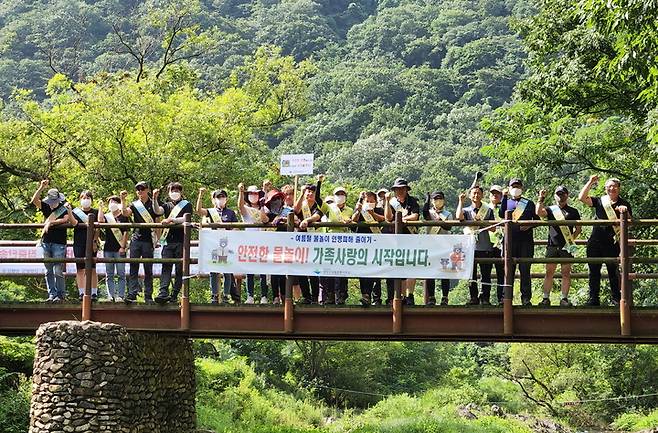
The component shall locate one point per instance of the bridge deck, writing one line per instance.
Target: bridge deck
(352, 322)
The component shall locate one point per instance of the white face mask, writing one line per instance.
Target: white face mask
(439, 203)
(340, 199)
(515, 192)
(85, 202)
(557, 198)
(174, 195)
(253, 198)
(220, 202)
(368, 206)
(114, 206)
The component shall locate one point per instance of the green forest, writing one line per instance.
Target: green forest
(101, 94)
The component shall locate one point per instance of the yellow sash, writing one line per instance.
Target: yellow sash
(496, 236)
(306, 211)
(173, 214)
(115, 231)
(520, 207)
(395, 204)
(146, 216)
(438, 216)
(370, 220)
(570, 244)
(52, 217)
(479, 216)
(612, 215)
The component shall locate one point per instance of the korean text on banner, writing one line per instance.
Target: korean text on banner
(339, 254)
(293, 165)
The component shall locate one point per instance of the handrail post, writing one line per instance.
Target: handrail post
(397, 284)
(89, 265)
(624, 263)
(508, 310)
(185, 297)
(288, 307)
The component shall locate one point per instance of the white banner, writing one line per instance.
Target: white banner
(292, 165)
(337, 254)
(33, 252)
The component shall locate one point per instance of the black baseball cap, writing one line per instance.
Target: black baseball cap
(219, 193)
(561, 190)
(141, 185)
(437, 195)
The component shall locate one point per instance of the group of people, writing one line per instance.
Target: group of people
(268, 205)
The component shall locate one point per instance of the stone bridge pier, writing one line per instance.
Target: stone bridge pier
(98, 377)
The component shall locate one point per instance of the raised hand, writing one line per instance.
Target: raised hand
(202, 190)
(241, 187)
(321, 177)
(123, 194)
(156, 193)
(44, 183)
(462, 197)
(593, 179)
(542, 195)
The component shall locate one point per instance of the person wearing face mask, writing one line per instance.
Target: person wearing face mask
(495, 198)
(172, 238)
(277, 216)
(478, 211)
(218, 213)
(522, 241)
(561, 241)
(434, 210)
(56, 212)
(338, 212)
(604, 240)
(116, 240)
(307, 210)
(367, 211)
(81, 216)
(252, 213)
(400, 201)
(143, 240)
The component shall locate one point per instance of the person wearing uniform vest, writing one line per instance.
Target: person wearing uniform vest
(496, 236)
(367, 211)
(219, 213)
(523, 245)
(172, 239)
(252, 212)
(273, 206)
(307, 210)
(143, 240)
(604, 240)
(400, 201)
(56, 212)
(478, 211)
(434, 210)
(116, 240)
(337, 212)
(81, 216)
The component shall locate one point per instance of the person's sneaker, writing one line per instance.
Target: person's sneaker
(250, 300)
(444, 300)
(365, 300)
(409, 300)
(485, 302)
(129, 300)
(473, 301)
(277, 301)
(118, 299)
(214, 299)
(80, 297)
(389, 301)
(526, 302)
(94, 298)
(615, 302)
(50, 300)
(565, 302)
(303, 301)
(593, 303)
(161, 300)
(225, 299)
(264, 300)
(149, 301)
(431, 300)
(377, 301)
(546, 302)
(57, 300)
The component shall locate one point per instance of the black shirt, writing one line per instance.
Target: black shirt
(555, 238)
(56, 234)
(315, 210)
(271, 216)
(226, 215)
(527, 215)
(79, 232)
(111, 243)
(411, 206)
(378, 211)
(606, 234)
(143, 234)
(175, 234)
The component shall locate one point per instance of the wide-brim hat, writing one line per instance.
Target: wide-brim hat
(54, 197)
(380, 190)
(273, 194)
(255, 189)
(401, 182)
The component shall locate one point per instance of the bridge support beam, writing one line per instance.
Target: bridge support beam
(90, 376)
